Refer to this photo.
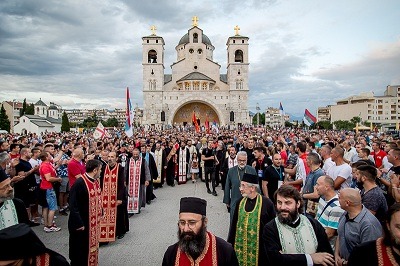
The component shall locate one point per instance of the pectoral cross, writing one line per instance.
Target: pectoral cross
(237, 29)
(195, 20)
(153, 30)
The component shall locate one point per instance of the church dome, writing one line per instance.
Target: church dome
(185, 39)
(53, 107)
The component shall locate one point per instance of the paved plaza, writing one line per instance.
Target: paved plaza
(151, 231)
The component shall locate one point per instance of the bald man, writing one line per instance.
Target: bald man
(356, 226)
(76, 167)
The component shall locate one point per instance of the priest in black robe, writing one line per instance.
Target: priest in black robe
(255, 204)
(292, 238)
(84, 218)
(19, 244)
(122, 222)
(145, 153)
(193, 238)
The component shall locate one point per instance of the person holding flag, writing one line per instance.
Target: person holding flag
(129, 115)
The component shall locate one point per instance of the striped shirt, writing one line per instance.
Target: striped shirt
(332, 213)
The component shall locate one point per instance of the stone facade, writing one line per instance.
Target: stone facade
(196, 83)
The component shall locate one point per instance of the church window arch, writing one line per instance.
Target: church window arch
(37, 110)
(239, 56)
(233, 41)
(204, 86)
(187, 86)
(195, 38)
(239, 84)
(152, 56)
(196, 85)
(199, 51)
(191, 50)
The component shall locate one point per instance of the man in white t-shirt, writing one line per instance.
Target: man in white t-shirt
(341, 171)
(326, 156)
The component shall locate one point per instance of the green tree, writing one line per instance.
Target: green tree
(262, 119)
(288, 124)
(65, 127)
(89, 122)
(344, 124)
(355, 120)
(30, 109)
(4, 121)
(23, 110)
(323, 125)
(111, 122)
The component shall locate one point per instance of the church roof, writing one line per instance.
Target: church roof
(185, 39)
(53, 107)
(195, 76)
(223, 78)
(40, 103)
(53, 120)
(40, 123)
(167, 78)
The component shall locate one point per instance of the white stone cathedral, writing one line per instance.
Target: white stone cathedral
(196, 84)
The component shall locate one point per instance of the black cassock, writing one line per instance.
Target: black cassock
(122, 223)
(366, 254)
(226, 256)
(272, 244)
(78, 217)
(153, 173)
(267, 214)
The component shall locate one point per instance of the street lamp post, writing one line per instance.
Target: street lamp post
(258, 115)
(12, 115)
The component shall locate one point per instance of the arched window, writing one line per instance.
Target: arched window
(152, 56)
(37, 110)
(195, 38)
(239, 84)
(239, 56)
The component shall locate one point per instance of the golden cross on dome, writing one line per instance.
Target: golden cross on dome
(237, 29)
(153, 30)
(195, 20)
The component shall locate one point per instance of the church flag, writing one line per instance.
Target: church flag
(207, 124)
(99, 132)
(128, 115)
(280, 108)
(194, 120)
(308, 118)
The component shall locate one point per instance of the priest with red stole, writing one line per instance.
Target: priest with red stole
(138, 177)
(196, 245)
(84, 218)
(114, 222)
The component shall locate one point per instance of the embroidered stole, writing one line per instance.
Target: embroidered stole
(231, 163)
(95, 212)
(247, 233)
(109, 200)
(299, 240)
(385, 254)
(207, 258)
(134, 185)
(182, 164)
(8, 214)
(159, 157)
(43, 260)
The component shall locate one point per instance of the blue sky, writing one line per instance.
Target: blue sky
(304, 54)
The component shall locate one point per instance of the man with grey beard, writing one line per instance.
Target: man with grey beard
(195, 243)
(292, 238)
(232, 185)
(12, 211)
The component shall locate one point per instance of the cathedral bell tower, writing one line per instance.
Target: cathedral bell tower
(238, 76)
(153, 77)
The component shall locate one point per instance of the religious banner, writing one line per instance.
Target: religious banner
(109, 199)
(134, 186)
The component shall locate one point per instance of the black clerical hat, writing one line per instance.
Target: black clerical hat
(249, 178)
(193, 205)
(18, 242)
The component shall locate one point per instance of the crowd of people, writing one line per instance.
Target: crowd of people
(294, 196)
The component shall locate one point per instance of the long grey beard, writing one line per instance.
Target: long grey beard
(193, 245)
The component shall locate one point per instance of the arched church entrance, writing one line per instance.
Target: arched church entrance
(184, 114)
